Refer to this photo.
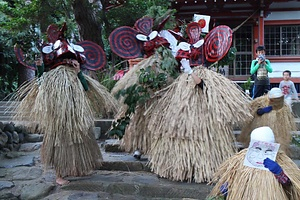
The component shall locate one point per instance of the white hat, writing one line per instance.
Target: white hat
(263, 133)
(275, 93)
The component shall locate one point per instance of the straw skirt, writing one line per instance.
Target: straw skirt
(281, 121)
(65, 113)
(191, 128)
(246, 183)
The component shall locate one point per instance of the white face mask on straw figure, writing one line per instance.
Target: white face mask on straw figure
(262, 146)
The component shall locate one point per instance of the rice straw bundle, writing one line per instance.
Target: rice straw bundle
(281, 121)
(192, 128)
(250, 183)
(64, 113)
(136, 134)
(101, 101)
(131, 77)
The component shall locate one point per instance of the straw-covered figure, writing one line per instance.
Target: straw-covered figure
(258, 172)
(63, 102)
(191, 124)
(154, 69)
(270, 110)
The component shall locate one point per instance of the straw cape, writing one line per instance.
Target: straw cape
(192, 127)
(250, 183)
(280, 120)
(65, 113)
(131, 77)
(136, 135)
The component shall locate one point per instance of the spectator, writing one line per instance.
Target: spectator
(288, 88)
(270, 110)
(260, 67)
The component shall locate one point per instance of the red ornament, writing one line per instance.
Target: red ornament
(202, 23)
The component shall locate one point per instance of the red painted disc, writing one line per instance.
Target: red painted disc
(217, 43)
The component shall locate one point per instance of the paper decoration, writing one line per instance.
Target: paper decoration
(258, 151)
(203, 20)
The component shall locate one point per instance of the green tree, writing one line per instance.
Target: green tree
(25, 22)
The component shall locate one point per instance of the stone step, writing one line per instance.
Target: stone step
(5, 109)
(137, 185)
(127, 178)
(5, 119)
(108, 182)
(113, 146)
(7, 103)
(7, 113)
(105, 125)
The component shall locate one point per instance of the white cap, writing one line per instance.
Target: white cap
(275, 93)
(263, 133)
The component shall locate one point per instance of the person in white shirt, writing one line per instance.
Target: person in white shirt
(288, 88)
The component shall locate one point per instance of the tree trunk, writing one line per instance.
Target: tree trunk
(89, 24)
(45, 20)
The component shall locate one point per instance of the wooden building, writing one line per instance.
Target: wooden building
(275, 24)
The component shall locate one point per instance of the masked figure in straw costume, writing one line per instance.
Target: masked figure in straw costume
(270, 110)
(191, 123)
(146, 46)
(63, 102)
(258, 172)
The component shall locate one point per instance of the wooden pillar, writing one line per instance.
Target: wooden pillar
(261, 28)
(255, 37)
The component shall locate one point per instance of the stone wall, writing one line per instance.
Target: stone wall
(12, 136)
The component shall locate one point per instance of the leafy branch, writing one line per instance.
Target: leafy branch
(135, 95)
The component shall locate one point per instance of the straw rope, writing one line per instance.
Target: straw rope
(64, 113)
(281, 121)
(192, 128)
(246, 183)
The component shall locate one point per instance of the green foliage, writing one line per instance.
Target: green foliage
(134, 95)
(247, 85)
(8, 80)
(25, 22)
(168, 62)
(130, 11)
(229, 57)
(221, 197)
(149, 78)
(118, 127)
(20, 23)
(8, 65)
(19, 14)
(125, 15)
(137, 94)
(104, 77)
(296, 140)
(159, 13)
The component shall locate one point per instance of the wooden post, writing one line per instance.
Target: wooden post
(261, 28)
